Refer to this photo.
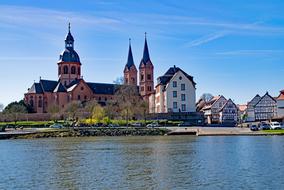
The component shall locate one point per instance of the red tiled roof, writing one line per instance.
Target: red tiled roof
(281, 96)
(243, 108)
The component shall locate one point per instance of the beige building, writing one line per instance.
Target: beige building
(280, 104)
(175, 92)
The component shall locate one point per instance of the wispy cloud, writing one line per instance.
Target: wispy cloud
(39, 17)
(251, 52)
(206, 39)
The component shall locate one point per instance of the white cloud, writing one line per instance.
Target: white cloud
(206, 39)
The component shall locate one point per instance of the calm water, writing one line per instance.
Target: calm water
(181, 162)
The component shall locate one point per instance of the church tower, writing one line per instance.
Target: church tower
(69, 65)
(130, 71)
(146, 73)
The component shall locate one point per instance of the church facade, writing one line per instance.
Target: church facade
(70, 85)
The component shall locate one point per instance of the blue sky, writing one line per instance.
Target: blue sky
(234, 48)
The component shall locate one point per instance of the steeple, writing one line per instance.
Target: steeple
(69, 41)
(130, 61)
(146, 56)
(130, 71)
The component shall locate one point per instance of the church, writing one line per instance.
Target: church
(70, 85)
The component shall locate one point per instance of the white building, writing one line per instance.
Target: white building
(262, 108)
(250, 108)
(280, 104)
(175, 92)
(212, 108)
(229, 113)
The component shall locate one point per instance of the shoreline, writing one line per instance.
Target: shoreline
(163, 131)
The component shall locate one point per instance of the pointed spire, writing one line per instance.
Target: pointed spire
(69, 27)
(69, 40)
(130, 61)
(146, 56)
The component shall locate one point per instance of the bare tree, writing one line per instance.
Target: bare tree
(1, 107)
(72, 110)
(54, 111)
(206, 97)
(119, 80)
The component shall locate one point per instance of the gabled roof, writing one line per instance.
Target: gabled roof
(243, 107)
(212, 102)
(226, 104)
(48, 85)
(266, 94)
(170, 73)
(102, 88)
(281, 95)
(254, 100)
(36, 88)
(60, 88)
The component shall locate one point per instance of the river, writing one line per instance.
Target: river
(160, 162)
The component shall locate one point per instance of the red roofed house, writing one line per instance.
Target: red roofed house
(280, 104)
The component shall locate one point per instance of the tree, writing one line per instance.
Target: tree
(95, 110)
(14, 109)
(54, 112)
(1, 107)
(206, 97)
(128, 103)
(72, 109)
(119, 80)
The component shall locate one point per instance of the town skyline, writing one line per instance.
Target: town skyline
(208, 48)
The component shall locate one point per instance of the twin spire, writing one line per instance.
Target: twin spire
(145, 58)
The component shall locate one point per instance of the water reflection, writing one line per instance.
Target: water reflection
(143, 163)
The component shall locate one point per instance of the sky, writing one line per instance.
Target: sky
(231, 48)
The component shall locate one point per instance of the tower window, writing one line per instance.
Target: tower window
(73, 70)
(65, 69)
(79, 70)
(149, 77)
(149, 88)
(142, 77)
(59, 70)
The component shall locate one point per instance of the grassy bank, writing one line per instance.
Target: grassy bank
(278, 131)
(52, 133)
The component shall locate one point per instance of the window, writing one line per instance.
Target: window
(142, 88)
(149, 88)
(82, 88)
(149, 77)
(40, 102)
(79, 70)
(65, 69)
(85, 97)
(31, 102)
(59, 70)
(175, 105)
(79, 97)
(73, 70)
(183, 107)
(142, 77)
(174, 94)
(174, 84)
(182, 97)
(182, 87)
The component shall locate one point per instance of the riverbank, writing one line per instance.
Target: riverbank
(124, 131)
(81, 132)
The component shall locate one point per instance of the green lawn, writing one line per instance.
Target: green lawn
(275, 131)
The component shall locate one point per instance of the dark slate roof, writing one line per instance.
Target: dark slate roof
(102, 88)
(130, 61)
(69, 55)
(48, 85)
(36, 88)
(69, 37)
(60, 88)
(170, 73)
(146, 56)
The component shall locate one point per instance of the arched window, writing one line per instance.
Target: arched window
(65, 69)
(73, 70)
(59, 70)
(31, 102)
(40, 102)
(79, 70)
